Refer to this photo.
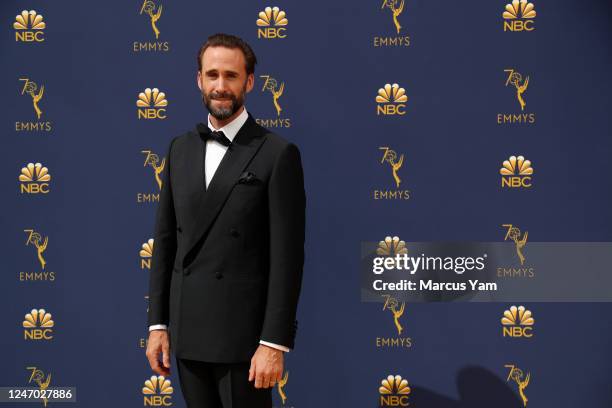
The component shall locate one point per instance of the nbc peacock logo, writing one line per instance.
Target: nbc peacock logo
(519, 15)
(391, 100)
(394, 391)
(516, 172)
(157, 392)
(34, 178)
(272, 23)
(152, 104)
(38, 325)
(517, 322)
(146, 254)
(29, 27)
(391, 246)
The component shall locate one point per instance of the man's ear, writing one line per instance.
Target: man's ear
(250, 82)
(199, 80)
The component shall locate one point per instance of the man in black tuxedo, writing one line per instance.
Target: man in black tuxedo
(229, 244)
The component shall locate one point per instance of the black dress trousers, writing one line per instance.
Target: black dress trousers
(220, 385)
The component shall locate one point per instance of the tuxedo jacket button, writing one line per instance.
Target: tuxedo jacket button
(218, 275)
(186, 271)
(234, 232)
(179, 229)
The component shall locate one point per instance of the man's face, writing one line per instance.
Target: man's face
(223, 81)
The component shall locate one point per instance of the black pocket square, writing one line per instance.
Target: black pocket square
(247, 177)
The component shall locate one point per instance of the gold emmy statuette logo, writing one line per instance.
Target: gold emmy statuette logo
(146, 253)
(519, 15)
(28, 27)
(391, 246)
(514, 234)
(390, 156)
(38, 325)
(157, 392)
(270, 84)
(516, 79)
(521, 380)
(151, 104)
(280, 385)
(517, 322)
(516, 172)
(394, 391)
(34, 179)
(31, 89)
(392, 305)
(391, 100)
(148, 8)
(38, 378)
(395, 9)
(36, 240)
(153, 160)
(273, 22)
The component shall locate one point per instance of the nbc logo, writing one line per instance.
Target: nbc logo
(391, 100)
(519, 15)
(157, 392)
(29, 27)
(272, 23)
(146, 253)
(516, 172)
(34, 179)
(151, 104)
(394, 391)
(517, 322)
(391, 246)
(38, 325)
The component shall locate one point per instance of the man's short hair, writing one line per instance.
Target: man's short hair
(229, 41)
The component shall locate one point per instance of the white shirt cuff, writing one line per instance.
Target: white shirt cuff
(158, 327)
(276, 346)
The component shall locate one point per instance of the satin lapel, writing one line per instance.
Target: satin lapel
(236, 158)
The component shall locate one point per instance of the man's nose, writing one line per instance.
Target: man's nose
(221, 85)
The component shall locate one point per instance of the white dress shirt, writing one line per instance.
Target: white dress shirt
(214, 154)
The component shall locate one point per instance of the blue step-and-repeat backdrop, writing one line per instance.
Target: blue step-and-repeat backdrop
(459, 204)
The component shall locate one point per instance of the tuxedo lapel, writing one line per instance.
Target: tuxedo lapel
(247, 142)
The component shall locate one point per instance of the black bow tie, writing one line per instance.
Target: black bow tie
(219, 137)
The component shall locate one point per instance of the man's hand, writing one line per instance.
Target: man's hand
(266, 366)
(159, 343)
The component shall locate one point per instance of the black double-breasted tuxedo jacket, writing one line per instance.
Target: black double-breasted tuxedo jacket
(228, 259)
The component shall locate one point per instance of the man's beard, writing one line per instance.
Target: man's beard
(223, 113)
